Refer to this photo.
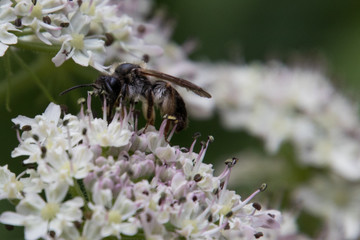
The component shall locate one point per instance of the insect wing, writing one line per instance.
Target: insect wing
(178, 81)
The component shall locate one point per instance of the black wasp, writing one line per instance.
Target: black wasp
(130, 83)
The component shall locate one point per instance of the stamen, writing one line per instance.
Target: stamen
(162, 127)
(18, 134)
(104, 110)
(196, 136)
(81, 101)
(247, 200)
(201, 155)
(89, 105)
(171, 133)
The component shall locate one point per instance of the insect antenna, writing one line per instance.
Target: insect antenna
(78, 86)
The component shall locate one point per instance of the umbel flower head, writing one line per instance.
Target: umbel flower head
(92, 178)
(85, 31)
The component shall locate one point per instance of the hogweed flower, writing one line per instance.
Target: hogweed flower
(89, 32)
(122, 182)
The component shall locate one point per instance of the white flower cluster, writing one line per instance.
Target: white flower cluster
(336, 202)
(122, 182)
(89, 32)
(280, 104)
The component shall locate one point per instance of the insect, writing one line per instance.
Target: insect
(130, 83)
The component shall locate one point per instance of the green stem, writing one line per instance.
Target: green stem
(38, 47)
(76, 190)
(8, 74)
(33, 76)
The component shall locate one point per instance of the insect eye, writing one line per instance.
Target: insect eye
(125, 68)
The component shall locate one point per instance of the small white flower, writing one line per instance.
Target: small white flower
(7, 15)
(59, 167)
(76, 44)
(10, 187)
(39, 216)
(107, 135)
(115, 220)
(32, 16)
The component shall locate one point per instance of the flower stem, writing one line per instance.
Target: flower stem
(8, 74)
(33, 76)
(37, 47)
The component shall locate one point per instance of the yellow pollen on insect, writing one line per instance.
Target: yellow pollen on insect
(114, 217)
(49, 211)
(77, 41)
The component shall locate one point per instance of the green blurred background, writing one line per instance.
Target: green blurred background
(315, 33)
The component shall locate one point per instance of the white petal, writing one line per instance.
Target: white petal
(36, 229)
(81, 58)
(22, 121)
(5, 36)
(3, 48)
(12, 218)
(56, 192)
(129, 229)
(52, 113)
(30, 205)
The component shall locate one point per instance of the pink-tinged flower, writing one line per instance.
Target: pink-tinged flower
(132, 181)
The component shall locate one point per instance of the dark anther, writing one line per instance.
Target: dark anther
(148, 217)
(47, 19)
(257, 206)
(77, 224)
(227, 226)
(141, 29)
(263, 187)
(258, 235)
(197, 177)
(35, 137)
(196, 135)
(184, 150)
(18, 22)
(84, 131)
(162, 198)
(182, 200)
(52, 234)
(64, 109)
(229, 214)
(66, 122)
(64, 24)
(43, 151)
(109, 39)
(26, 128)
(231, 162)
(146, 58)
(210, 218)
